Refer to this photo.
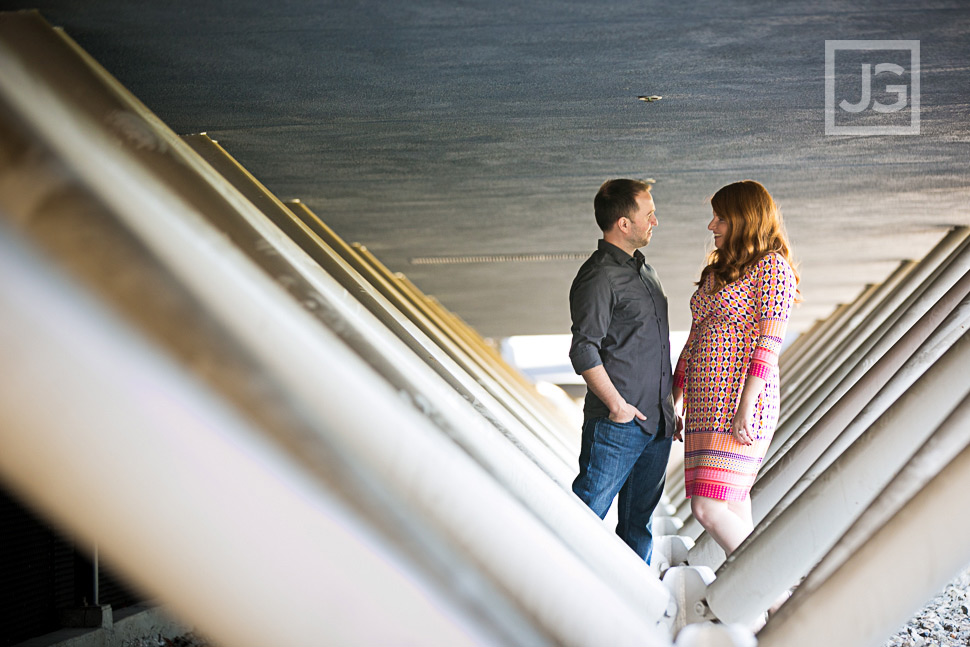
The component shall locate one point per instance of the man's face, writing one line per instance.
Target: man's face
(642, 221)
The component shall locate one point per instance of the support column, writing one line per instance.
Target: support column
(862, 352)
(782, 482)
(784, 548)
(888, 378)
(471, 555)
(336, 293)
(864, 572)
(821, 365)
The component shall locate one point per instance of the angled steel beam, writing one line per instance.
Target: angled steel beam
(480, 364)
(795, 348)
(785, 546)
(502, 457)
(854, 313)
(115, 440)
(503, 565)
(833, 328)
(487, 350)
(862, 591)
(807, 378)
(867, 398)
(783, 480)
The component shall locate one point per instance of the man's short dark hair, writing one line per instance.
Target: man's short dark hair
(617, 199)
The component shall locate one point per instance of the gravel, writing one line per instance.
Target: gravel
(943, 622)
(188, 640)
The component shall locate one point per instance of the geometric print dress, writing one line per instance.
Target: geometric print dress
(736, 332)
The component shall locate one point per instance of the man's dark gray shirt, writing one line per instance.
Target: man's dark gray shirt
(619, 314)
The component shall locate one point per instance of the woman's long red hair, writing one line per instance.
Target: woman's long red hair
(755, 229)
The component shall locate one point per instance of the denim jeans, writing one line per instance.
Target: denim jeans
(622, 458)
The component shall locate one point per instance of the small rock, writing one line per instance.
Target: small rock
(943, 622)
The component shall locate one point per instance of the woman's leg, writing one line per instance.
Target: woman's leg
(728, 522)
(743, 510)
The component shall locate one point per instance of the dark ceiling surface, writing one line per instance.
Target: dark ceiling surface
(438, 129)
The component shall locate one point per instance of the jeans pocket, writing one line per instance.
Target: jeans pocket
(630, 424)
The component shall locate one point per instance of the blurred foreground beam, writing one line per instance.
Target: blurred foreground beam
(473, 562)
(187, 499)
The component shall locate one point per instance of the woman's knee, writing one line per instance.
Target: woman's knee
(705, 509)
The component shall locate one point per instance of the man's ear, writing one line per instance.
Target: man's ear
(623, 224)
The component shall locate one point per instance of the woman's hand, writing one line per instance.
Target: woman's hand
(678, 427)
(679, 422)
(741, 426)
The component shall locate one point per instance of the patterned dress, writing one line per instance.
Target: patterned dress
(736, 332)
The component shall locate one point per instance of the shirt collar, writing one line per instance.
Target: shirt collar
(619, 255)
(638, 257)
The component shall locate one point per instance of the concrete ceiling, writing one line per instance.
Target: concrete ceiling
(476, 127)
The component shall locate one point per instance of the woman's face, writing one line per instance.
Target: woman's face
(719, 227)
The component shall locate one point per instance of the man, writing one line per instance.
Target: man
(621, 347)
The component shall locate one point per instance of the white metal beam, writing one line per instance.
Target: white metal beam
(868, 397)
(800, 384)
(784, 547)
(873, 580)
(498, 546)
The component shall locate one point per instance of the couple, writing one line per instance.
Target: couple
(722, 399)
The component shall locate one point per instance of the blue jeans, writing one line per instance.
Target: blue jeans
(622, 458)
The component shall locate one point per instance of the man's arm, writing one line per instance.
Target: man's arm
(591, 307)
(602, 387)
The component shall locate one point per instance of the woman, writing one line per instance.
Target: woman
(727, 376)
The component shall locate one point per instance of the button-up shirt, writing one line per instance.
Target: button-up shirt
(619, 315)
